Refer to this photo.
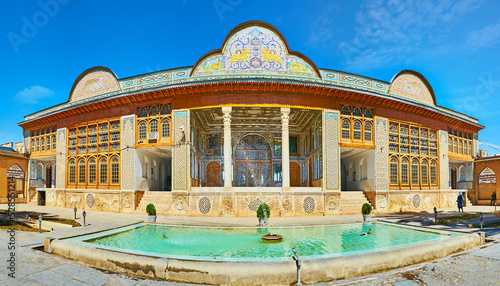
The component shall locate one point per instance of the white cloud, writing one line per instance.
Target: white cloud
(487, 36)
(322, 28)
(33, 94)
(388, 32)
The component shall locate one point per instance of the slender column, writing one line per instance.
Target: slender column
(227, 146)
(61, 158)
(285, 146)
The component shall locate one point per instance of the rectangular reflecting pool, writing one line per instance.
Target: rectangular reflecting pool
(246, 244)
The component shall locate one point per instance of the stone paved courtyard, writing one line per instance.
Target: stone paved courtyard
(478, 266)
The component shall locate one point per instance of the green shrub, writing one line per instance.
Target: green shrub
(260, 211)
(150, 209)
(366, 208)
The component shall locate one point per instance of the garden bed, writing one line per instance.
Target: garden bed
(62, 220)
(453, 219)
(5, 224)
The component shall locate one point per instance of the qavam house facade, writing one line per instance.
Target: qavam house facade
(248, 123)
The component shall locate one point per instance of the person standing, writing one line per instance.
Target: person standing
(460, 201)
(493, 198)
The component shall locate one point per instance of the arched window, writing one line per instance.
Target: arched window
(356, 111)
(414, 172)
(115, 170)
(71, 171)
(103, 170)
(393, 169)
(356, 130)
(461, 174)
(351, 176)
(433, 167)
(142, 112)
(48, 143)
(345, 110)
(368, 113)
(424, 173)
(450, 145)
(346, 129)
(153, 111)
(142, 130)
(363, 169)
(38, 145)
(92, 171)
(33, 146)
(459, 146)
(165, 109)
(241, 174)
(368, 131)
(165, 128)
(455, 146)
(265, 175)
(153, 126)
(404, 172)
(39, 172)
(42, 144)
(81, 171)
(53, 142)
(469, 152)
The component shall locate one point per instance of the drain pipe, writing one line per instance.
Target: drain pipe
(297, 261)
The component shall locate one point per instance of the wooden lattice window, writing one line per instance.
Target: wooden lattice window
(115, 170)
(103, 170)
(414, 147)
(92, 171)
(357, 124)
(71, 172)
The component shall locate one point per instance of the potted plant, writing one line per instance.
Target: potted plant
(263, 213)
(366, 209)
(151, 210)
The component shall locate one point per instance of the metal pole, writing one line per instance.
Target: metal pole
(84, 214)
(75, 212)
(481, 219)
(435, 215)
(40, 224)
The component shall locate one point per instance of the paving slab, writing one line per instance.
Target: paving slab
(492, 252)
(475, 267)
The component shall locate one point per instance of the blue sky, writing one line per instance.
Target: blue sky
(46, 44)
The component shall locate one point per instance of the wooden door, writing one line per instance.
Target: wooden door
(453, 178)
(48, 176)
(214, 175)
(294, 174)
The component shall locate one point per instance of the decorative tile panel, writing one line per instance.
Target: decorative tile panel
(128, 154)
(61, 158)
(180, 150)
(475, 145)
(27, 141)
(95, 83)
(409, 86)
(444, 180)
(331, 150)
(254, 49)
(381, 155)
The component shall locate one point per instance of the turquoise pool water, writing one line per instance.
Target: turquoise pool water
(246, 244)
